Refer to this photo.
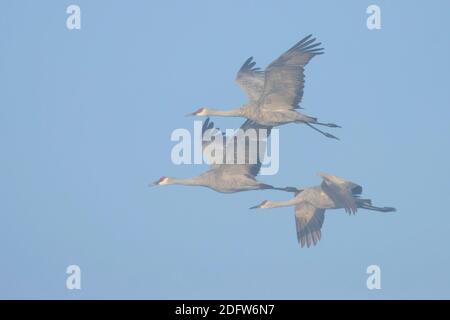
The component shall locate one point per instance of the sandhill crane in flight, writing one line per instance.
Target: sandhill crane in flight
(274, 94)
(225, 177)
(311, 203)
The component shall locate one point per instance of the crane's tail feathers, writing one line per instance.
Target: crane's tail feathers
(356, 191)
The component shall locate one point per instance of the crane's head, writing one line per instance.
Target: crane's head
(264, 205)
(200, 112)
(161, 182)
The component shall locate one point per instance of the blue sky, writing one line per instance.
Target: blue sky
(85, 124)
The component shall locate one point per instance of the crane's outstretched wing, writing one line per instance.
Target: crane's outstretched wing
(284, 77)
(209, 125)
(308, 221)
(251, 80)
(245, 157)
(341, 191)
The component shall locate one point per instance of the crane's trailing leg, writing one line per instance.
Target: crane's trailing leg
(367, 204)
(330, 125)
(326, 134)
(287, 189)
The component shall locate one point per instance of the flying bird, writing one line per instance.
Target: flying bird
(311, 203)
(227, 177)
(274, 95)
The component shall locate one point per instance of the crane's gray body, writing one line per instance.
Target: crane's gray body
(311, 203)
(226, 181)
(230, 177)
(317, 197)
(273, 117)
(333, 193)
(274, 94)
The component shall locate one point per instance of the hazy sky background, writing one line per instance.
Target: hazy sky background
(85, 124)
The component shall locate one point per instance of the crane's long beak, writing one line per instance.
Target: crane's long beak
(155, 183)
(259, 205)
(196, 112)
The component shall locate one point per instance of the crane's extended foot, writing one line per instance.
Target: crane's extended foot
(330, 125)
(291, 189)
(287, 189)
(379, 209)
(326, 134)
(329, 135)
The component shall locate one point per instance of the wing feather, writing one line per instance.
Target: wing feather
(251, 80)
(308, 222)
(251, 164)
(343, 192)
(285, 78)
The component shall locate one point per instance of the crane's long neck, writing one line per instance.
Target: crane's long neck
(238, 112)
(195, 181)
(287, 203)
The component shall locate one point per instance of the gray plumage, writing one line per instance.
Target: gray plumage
(311, 203)
(229, 177)
(274, 95)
